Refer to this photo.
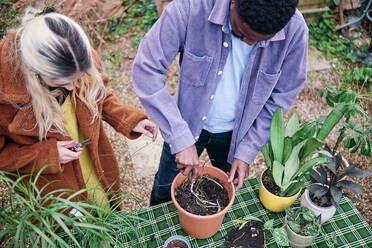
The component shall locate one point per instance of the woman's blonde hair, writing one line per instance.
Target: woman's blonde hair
(56, 47)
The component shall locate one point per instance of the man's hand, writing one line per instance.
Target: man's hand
(188, 160)
(243, 172)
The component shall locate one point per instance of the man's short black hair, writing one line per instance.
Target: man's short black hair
(266, 16)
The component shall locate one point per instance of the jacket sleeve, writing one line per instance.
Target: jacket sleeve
(283, 95)
(123, 118)
(30, 158)
(156, 52)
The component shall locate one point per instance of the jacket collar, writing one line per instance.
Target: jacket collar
(220, 13)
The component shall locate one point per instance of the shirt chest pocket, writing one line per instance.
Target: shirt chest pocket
(194, 69)
(264, 85)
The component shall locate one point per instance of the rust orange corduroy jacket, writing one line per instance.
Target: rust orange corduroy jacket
(22, 152)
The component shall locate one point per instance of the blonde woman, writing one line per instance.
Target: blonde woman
(52, 96)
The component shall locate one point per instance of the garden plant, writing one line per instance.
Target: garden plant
(324, 196)
(30, 219)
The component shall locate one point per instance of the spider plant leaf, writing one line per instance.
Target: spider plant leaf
(277, 135)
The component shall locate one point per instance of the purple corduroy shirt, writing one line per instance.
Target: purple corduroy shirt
(198, 30)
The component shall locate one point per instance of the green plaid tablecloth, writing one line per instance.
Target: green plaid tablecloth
(162, 221)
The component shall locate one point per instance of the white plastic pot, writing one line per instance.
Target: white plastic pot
(177, 238)
(326, 212)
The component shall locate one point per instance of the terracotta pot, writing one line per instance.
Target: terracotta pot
(326, 212)
(197, 226)
(297, 240)
(273, 202)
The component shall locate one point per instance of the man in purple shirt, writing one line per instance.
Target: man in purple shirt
(204, 32)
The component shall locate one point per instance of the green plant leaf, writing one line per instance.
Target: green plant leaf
(280, 236)
(251, 217)
(366, 147)
(287, 149)
(293, 163)
(311, 230)
(293, 125)
(293, 188)
(294, 226)
(278, 171)
(308, 165)
(269, 224)
(277, 135)
(329, 123)
(310, 146)
(308, 215)
(267, 156)
(290, 213)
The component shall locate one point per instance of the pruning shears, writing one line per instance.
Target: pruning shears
(79, 146)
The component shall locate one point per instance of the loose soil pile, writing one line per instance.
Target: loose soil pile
(207, 190)
(250, 236)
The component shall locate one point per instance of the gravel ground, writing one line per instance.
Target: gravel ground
(307, 106)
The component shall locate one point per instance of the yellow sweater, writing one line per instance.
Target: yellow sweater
(96, 193)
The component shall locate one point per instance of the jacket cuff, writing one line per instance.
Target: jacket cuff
(181, 141)
(246, 153)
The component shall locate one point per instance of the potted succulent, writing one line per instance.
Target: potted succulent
(324, 196)
(202, 226)
(286, 157)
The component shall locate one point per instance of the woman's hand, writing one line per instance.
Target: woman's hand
(66, 155)
(147, 128)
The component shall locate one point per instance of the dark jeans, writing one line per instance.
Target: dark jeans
(217, 146)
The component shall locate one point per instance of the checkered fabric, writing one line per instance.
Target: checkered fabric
(162, 221)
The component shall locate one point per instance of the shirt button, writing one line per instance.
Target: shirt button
(204, 118)
(170, 145)
(196, 137)
(225, 44)
(212, 96)
(219, 73)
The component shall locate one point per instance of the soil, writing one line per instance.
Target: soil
(318, 201)
(274, 189)
(207, 190)
(176, 244)
(250, 236)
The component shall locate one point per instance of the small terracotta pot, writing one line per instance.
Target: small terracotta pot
(326, 212)
(273, 202)
(197, 226)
